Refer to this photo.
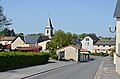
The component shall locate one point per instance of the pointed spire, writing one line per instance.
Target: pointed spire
(117, 10)
(49, 22)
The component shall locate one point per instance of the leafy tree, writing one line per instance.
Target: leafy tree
(59, 40)
(20, 34)
(83, 35)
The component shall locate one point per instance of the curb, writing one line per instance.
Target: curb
(97, 75)
(35, 74)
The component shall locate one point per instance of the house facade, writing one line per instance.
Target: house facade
(6, 40)
(30, 41)
(70, 52)
(98, 45)
(87, 43)
(5, 43)
(104, 46)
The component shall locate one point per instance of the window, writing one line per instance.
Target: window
(103, 45)
(103, 49)
(87, 39)
(87, 44)
(47, 31)
(98, 45)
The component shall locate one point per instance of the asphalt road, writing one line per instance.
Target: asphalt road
(85, 70)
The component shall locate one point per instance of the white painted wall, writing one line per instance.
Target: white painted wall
(85, 44)
(118, 35)
(48, 32)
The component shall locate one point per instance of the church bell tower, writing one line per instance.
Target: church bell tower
(49, 29)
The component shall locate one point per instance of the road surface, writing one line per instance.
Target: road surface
(84, 70)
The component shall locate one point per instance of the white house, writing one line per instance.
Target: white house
(88, 42)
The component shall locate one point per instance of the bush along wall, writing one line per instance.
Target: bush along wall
(13, 60)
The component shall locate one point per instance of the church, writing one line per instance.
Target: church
(34, 43)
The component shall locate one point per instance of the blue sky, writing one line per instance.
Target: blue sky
(76, 16)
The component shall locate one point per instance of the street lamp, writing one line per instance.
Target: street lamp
(110, 29)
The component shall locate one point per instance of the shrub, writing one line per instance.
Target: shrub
(54, 56)
(10, 60)
(99, 54)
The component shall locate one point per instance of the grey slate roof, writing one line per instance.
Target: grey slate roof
(105, 42)
(95, 39)
(76, 40)
(117, 9)
(34, 39)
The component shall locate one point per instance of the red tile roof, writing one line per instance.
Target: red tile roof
(70, 46)
(7, 38)
(29, 48)
(83, 50)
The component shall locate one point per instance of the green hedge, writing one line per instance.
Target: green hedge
(10, 60)
(99, 54)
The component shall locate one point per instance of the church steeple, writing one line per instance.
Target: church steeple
(50, 23)
(49, 28)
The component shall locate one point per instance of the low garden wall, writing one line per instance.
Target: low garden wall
(13, 60)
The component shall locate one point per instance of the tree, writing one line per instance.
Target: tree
(60, 39)
(7, 32)
(83, 35)
(20, 34)
(4, 22)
